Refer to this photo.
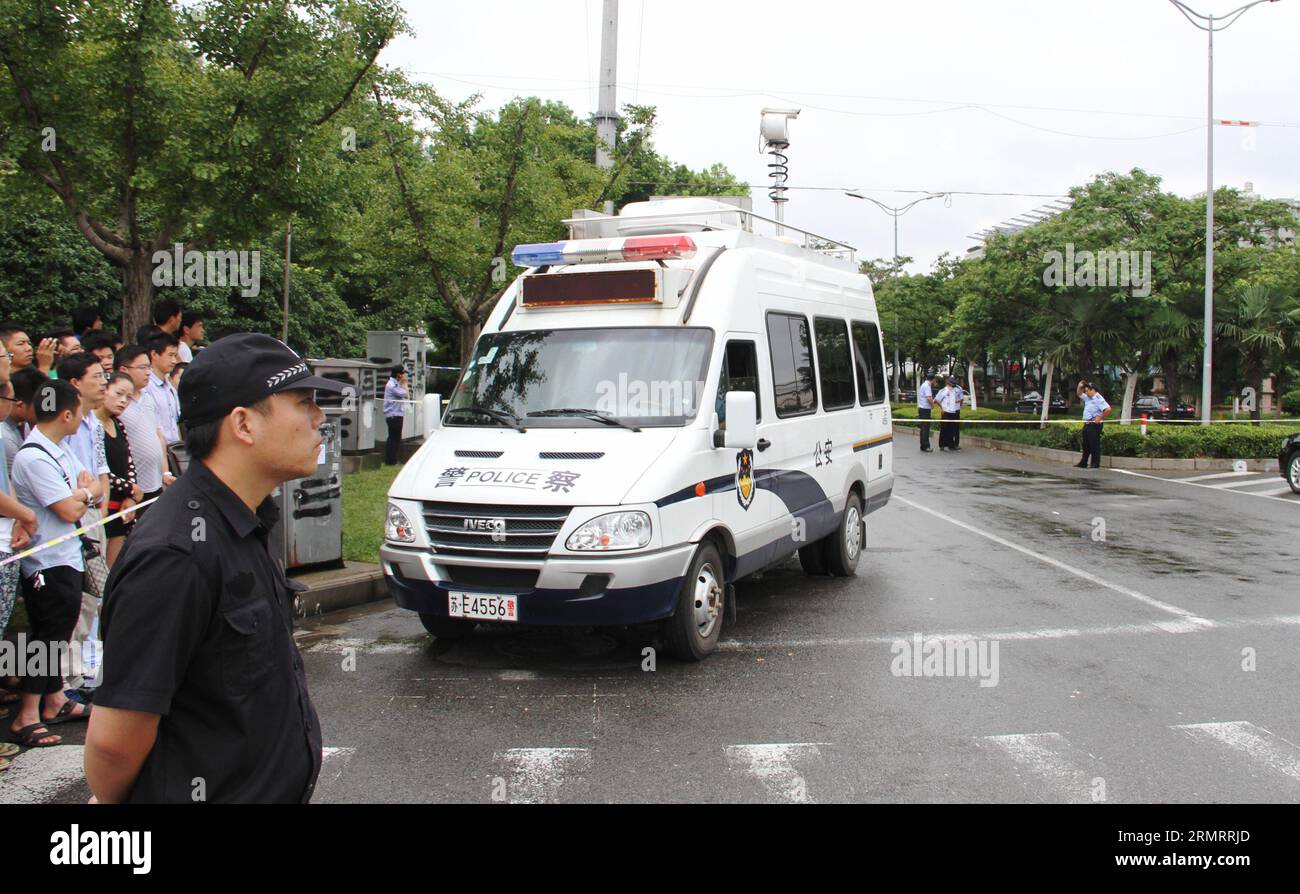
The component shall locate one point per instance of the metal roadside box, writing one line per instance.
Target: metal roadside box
(407, 348)
(310, 531)
(357, 415)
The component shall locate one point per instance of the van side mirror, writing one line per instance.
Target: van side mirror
(742, 420)
(432, 414)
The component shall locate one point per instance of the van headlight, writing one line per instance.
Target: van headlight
(617, 530)
(398, 528)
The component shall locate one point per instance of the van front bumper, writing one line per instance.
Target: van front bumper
(608, 590)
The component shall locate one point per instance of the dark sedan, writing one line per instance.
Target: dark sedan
(1156, 407)
(1033, 403)
(1288, 461)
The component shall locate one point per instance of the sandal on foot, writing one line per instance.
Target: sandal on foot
(8, 749)
(30, 736)
(65, 714)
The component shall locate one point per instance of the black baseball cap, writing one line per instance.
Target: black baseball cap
(240, 370)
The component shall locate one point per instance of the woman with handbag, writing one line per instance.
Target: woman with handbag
(123, 490)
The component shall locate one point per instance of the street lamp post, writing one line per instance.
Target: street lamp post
(896, 213)
(1210, 24)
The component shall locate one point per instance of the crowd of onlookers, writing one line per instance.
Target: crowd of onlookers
(89, 422)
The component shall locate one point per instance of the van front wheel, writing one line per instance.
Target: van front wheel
(844, 548)
(695, 627)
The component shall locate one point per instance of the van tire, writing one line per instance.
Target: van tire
(693, 630)
(446, 628)
(812, 558)
(844, 547)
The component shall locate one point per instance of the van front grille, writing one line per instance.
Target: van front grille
(476, 529)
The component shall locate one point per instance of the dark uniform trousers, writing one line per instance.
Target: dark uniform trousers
(198, 628)
(53, 602)
(1091, 444)
(948, 433)
(923, 413)
(394, 424)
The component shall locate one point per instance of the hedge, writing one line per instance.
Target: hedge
(1224, 441)
(1291, 402)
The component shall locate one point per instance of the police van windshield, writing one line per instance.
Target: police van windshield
(585, 378)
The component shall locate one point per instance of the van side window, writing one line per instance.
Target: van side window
(834, 366)
(794, 388)
(867, 360)
(739, 373)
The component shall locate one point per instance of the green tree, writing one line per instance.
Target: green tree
(205, 125)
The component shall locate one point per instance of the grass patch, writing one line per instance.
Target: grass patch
(365, 501)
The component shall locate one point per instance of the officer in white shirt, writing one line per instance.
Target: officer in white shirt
(1095, 411)
(949, 400)
(924, 404)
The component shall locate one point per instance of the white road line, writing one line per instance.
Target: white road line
(1215, 475)
(1044, 755)
(1042, 633)
(1197, 484)
(1262, 479)
(333, 762)
(773, 766)
(1057, 563)
(39, 775)
(1253, 741)
(343, 645)
(536, 775)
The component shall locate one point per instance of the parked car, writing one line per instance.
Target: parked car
(906, 395)
(1032, 403)
(1157, 407)
(1288, 461)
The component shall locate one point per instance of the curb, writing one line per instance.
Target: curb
(1154, 464)
(356, 583)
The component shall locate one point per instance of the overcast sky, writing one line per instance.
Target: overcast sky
(995, 96)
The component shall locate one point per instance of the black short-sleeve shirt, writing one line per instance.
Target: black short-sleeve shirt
(197, 626)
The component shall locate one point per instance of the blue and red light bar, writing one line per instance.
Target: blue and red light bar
(595, 251)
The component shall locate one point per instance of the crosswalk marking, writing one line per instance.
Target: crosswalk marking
(39, 775)
(536, 775)
(1281, 494)
(773, 766)
(1255, 742)
(1047, 756)
(1217, 475)
(1261, 479)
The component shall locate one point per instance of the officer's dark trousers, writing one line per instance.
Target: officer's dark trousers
(394, 439)
(924, 414)
(52, 612)
(948, 429)
(1091, 445)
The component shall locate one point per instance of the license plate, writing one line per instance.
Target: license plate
(483, 607)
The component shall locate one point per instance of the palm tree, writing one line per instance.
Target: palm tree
(1265, 324)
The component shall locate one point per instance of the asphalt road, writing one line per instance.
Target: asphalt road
(1138, 637)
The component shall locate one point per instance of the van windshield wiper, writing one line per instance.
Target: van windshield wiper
(500, 415)
(590, 414)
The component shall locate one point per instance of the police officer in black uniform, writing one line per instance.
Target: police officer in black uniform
(204, 697)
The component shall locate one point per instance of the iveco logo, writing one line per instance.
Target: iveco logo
(485, 524)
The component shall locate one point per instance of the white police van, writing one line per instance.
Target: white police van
(658, 407)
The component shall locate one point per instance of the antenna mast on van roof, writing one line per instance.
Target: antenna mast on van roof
(775, 132)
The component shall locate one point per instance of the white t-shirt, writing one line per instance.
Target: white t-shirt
(184, 352)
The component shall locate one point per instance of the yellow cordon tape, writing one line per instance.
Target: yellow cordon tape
(912, 420)
(74, 533)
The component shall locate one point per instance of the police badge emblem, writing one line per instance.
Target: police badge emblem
(745, 478)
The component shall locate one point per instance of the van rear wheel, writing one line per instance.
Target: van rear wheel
(844, 548)
(695, 627)
(446, 628)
